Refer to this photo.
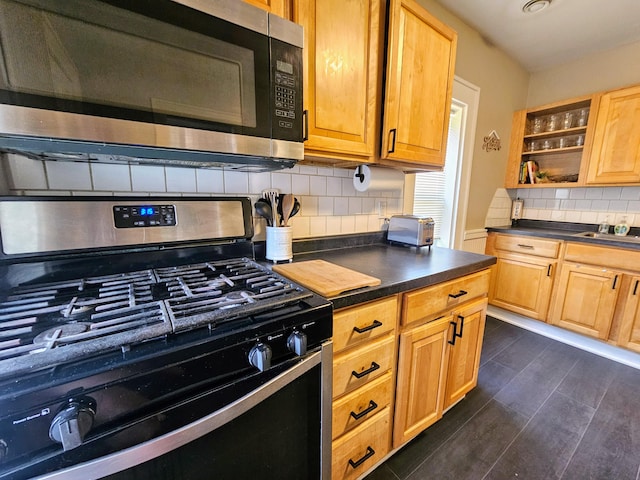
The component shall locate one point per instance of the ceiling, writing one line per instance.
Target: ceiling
(564, 31)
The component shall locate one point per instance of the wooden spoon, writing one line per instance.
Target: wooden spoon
(287, 207)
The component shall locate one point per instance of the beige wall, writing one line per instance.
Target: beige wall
(503, 89)
(598, 72)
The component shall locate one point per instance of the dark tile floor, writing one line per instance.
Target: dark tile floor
(541, 410)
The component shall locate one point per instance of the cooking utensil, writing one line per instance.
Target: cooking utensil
(286, 206)
(263, 208)
(272, 195)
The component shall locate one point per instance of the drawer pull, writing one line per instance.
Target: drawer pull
(615, 282)
(393, 132)
(369, 454)
(372, 406)
(373, 368)
(635, 288)
(375, 324)
(549, 270)
(458, 295)
(524, 245)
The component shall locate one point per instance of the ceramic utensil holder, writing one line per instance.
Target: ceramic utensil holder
(279, 243)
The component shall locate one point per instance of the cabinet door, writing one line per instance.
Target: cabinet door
(278, 7)
(465, 337)
(630, 328)
(422, 372)
(615, 156)
(342, 50)
(586, 299)
(522, 284)
(420, 67)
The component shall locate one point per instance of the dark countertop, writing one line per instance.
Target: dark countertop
(400, 268)
(566, 231)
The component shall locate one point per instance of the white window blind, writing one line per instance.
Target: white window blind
(433, 196)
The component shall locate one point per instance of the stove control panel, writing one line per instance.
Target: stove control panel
(133, 216)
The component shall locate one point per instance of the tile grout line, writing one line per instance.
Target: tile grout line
(533, 415)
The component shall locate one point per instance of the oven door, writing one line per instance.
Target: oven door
(157, 74)
(280, 430)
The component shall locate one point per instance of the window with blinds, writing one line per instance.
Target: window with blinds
(435, 191)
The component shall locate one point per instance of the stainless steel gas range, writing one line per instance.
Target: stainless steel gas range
(140, 339)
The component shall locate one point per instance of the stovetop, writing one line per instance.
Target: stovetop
(49, 323)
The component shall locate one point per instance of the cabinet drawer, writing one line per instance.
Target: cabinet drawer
(357, 367)
(356, 325)
(359, 406)
(603, 256)
(430, 302)
(358, 450)
(529, 245)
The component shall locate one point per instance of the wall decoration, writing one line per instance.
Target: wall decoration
(492, 142)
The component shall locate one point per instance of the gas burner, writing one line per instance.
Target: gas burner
(54, 334)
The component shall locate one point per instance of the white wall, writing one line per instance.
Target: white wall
(330, 204)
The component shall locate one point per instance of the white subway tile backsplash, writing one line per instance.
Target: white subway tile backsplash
(578, 193)
(325, 171)
(588, 217)
(318, 186)
(348, 224)
(308, 206)
(111, 177)
(619, 205)
(281, 181)
(362, 223)
(300, 226)
(300, 184)
(325, 206)
(341, 206)
(562, 193)
(236, 182)
(146, 178)
(25, 173)
(355, 206)
(181, 180)
(369, 206)
(307, 170)
(334, 225)
(209, 181)
(602, 205)
(68, 175)
(317, 226)
(347, 187)
(334, 186)
(630, 193)
(593, 193)
(611, 193)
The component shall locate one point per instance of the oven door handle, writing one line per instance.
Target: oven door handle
(168, 442)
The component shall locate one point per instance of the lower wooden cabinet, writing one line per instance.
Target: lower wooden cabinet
(586, 299)
(422, 373)
(629, 336)
(465, 346)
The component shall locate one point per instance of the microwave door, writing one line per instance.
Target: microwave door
(93, 58)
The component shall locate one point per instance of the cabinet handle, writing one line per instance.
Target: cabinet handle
(456, 334)
(373, 368)
(369, 454)
(305, 120)
(393, 142)
(615, 281)
(549, 270)
(635, 288)
(458, 295)
(375, 324)
(372, 406)
(524, 245)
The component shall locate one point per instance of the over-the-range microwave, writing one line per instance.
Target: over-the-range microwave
(208, 83)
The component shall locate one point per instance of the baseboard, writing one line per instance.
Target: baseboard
(591, 345)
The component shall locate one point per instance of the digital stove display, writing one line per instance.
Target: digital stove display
(132, 216)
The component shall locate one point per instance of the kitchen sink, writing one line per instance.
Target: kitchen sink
(608, 236)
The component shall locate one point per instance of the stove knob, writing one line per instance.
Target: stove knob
(71, 425)
(297, 343)
(260, 356)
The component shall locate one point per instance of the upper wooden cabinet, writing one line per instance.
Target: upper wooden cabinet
(615, 157)
(343, 70)
(342, 66)
(279, 7)
(550, 144)
(420, 69)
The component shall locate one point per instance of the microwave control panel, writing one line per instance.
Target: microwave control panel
(286, 81)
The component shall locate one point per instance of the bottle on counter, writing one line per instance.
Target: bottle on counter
(621, 228)
(604, 226)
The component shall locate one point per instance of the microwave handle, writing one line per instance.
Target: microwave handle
(305, 120)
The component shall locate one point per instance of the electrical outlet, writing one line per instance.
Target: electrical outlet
(381, 207)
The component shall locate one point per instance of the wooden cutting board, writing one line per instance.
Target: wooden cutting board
(325, 278)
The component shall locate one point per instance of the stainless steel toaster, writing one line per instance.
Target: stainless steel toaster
(411, 230)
